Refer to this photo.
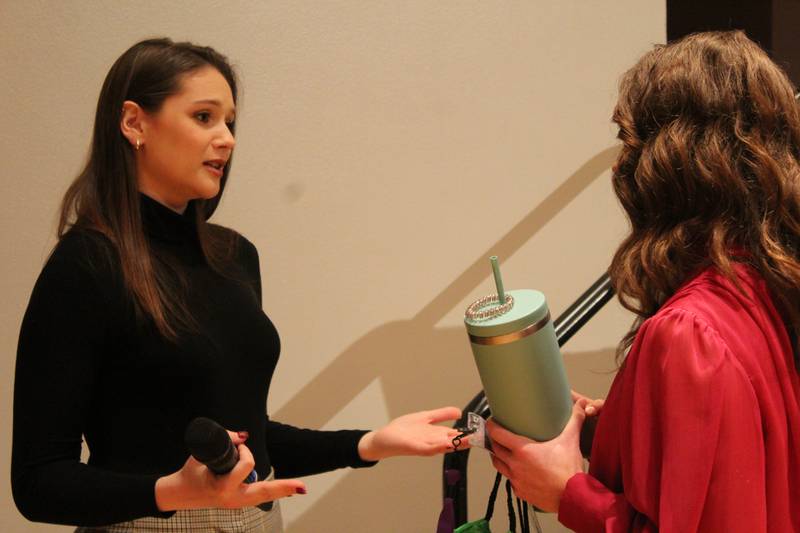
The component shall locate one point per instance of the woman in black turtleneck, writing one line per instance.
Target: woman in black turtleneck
(147, 316)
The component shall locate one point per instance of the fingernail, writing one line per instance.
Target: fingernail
(243, 435)
(300, 490)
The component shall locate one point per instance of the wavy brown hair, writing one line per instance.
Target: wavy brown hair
(708, 173)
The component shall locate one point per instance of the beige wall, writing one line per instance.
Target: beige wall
(385, 150)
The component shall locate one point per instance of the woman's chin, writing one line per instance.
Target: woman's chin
(209, 190)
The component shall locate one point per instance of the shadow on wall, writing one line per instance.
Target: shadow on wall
(385, 487)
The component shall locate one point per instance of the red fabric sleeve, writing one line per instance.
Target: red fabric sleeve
(692, 446)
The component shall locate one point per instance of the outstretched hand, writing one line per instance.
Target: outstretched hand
(411, 434)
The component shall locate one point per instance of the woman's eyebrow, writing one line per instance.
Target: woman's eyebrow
(214, 102)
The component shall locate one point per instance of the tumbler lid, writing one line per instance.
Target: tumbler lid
(529, 307)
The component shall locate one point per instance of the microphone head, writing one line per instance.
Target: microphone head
(207, 441)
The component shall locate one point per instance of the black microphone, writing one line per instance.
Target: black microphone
(209, 443)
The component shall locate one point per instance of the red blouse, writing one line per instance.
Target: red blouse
(701, 427)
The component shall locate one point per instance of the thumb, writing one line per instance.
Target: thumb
(575, 422)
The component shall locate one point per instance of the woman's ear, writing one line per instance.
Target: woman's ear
(131, 123)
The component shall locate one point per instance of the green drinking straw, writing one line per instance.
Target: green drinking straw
(498, 280)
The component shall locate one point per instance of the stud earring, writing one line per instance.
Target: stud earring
(138, 144)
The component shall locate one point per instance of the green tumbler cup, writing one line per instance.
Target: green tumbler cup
(519, 361)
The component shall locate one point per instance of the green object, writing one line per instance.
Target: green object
(476, 526)
(521, 367)
(498, 280)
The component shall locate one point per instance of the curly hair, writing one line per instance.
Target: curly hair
(708, 173)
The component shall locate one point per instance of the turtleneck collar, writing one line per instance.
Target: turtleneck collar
(162, 223)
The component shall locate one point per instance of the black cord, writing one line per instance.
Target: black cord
(523, 524)
(493, 498)
(512, 518)
(525, 517)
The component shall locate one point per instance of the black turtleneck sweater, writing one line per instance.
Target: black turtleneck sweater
(87, 367)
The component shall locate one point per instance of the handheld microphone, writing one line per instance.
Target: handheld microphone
(210, 444)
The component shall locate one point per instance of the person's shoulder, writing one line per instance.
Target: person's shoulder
(712, 316)
(85, 249)
(240, 247)
(717, 298)
(227, 234)
(83, 261)
(679, 344)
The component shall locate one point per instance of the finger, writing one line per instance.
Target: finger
(244, 466)
(577, 396)
(237, 437)
(465, 445)
(501, 466)
(449, 446)
(437, 442)
(443, 414)
(576, 420)
(504, 437)
(501, 451)
(496, 446)
(267, 491)
(593, 407)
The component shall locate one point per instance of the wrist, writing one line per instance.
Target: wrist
(366, 448)
(565, 488)
(167, 492)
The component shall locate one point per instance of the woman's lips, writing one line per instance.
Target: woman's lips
(213, 169)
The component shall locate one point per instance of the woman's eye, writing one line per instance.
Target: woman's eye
(203, 116)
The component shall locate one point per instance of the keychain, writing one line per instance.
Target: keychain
(474, 432)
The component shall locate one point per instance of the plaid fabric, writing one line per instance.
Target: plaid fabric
(247, 520)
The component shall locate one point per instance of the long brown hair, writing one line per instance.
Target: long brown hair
(708, 173)
(105, 195)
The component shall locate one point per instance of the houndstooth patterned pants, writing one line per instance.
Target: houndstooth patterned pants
(246, 520)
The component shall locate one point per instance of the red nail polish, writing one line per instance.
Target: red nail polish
(300, 490)
(243, 435)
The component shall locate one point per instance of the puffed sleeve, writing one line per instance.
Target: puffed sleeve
(62, 341)
(691, 440)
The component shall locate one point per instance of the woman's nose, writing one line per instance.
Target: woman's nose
(225, 139)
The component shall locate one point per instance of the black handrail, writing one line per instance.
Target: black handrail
(566, 325)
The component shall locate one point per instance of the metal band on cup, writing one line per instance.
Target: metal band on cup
(476, 312)
(511, 337)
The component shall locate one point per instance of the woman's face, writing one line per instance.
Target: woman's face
(187, 143)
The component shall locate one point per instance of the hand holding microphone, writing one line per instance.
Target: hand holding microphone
(210, 443)
(220, 473)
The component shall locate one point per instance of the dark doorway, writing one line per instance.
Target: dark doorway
(774, 24)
